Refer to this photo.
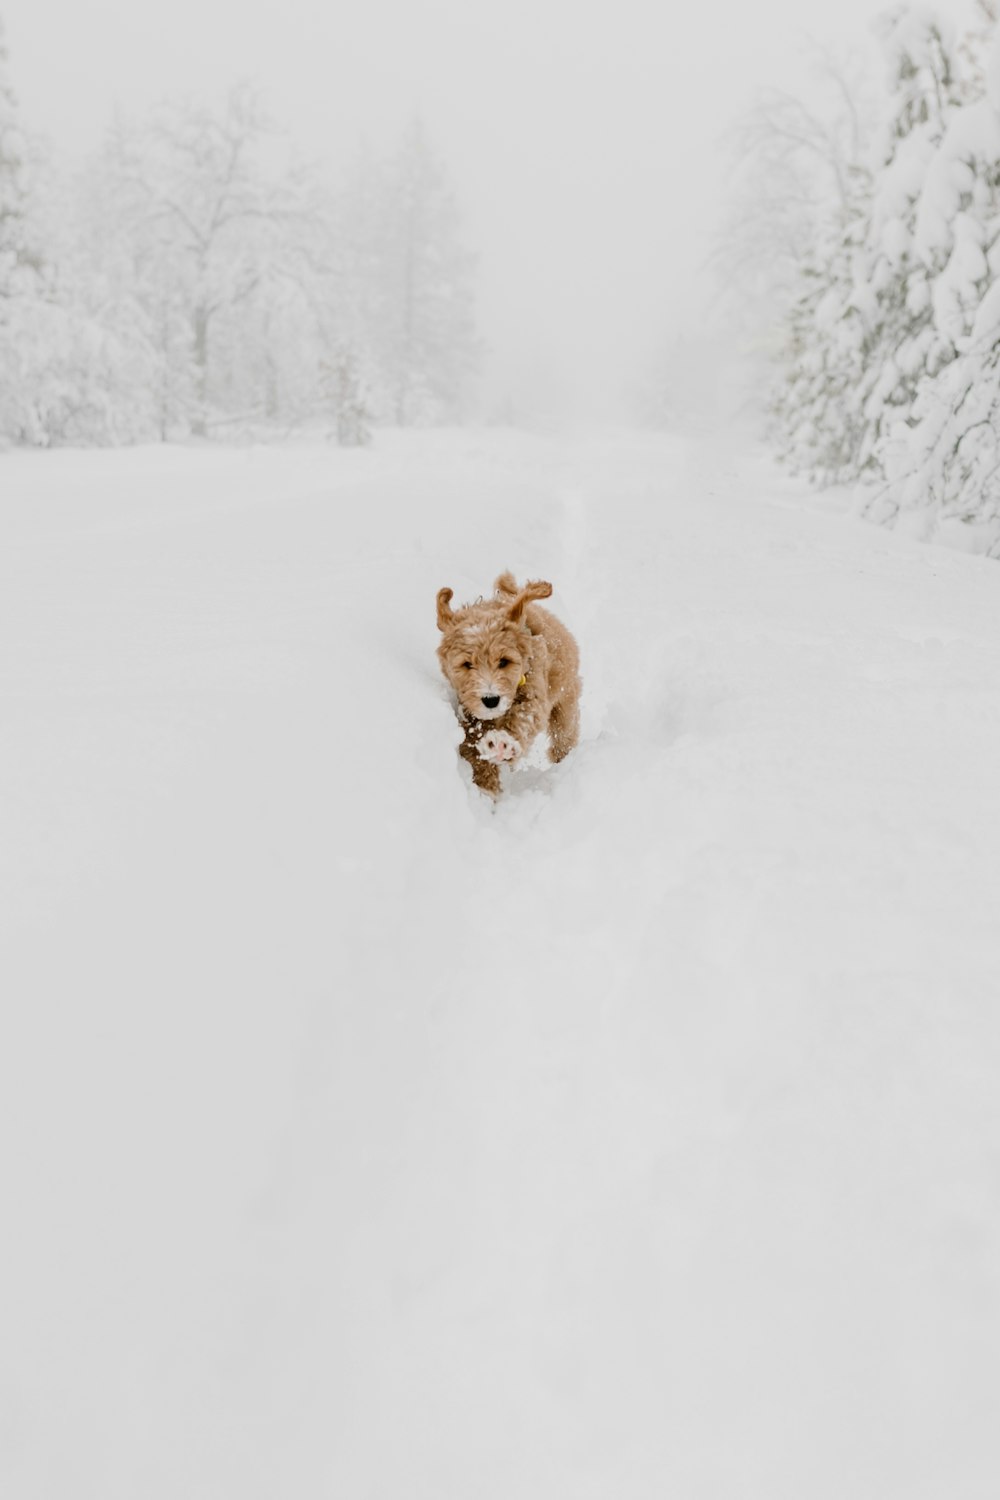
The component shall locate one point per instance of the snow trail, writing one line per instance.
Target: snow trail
(636, 1136)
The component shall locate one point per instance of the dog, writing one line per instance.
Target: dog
(515, 671)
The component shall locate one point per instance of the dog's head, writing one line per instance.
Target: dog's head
(486, 648)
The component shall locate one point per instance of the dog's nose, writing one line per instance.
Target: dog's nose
(491, 701)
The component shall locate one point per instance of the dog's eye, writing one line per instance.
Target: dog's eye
(504, 661)
(467, 665)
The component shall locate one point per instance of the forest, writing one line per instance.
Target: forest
(200, 276)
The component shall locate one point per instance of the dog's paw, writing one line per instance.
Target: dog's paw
(499, 746)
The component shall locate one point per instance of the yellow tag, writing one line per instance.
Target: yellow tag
(522, 682)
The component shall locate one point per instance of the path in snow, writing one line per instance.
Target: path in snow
(638, 1137)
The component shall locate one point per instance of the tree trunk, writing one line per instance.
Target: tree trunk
(202, 315)
(409, 297)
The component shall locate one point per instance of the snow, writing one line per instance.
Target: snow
(637, 1137)
(987, 320)
(993, 74)
(895, 242)
(972, 136)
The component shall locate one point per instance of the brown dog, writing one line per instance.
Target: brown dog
(514, 668)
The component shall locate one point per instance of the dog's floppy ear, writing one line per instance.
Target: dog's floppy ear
(445, 612)
(530, 591)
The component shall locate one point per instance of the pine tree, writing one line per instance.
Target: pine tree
(816, 422)
(944, 458)
(865, 328)
(975, 45)
(946, 466)
(894, 293)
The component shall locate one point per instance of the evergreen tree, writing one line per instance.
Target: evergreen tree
(945, 457)
(862, 331)
(816, 420)
(895, 289)
(975, 46)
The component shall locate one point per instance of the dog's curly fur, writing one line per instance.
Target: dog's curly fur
(515, 671)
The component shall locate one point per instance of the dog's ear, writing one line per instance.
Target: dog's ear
(445, 612)
(530, 591)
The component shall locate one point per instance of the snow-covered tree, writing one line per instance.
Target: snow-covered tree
(943, 456)
(345, 393)
(206, 198)
(816, 419)
(892, 369)
(947, 465)
(101, 357)
(14, 246)
(419, 292)
(788, 254)
(862, 332)
(894, 292)
(793, 167)
(74, 364)
(975, 46)
(18, 259)
(125, 255)
(197, 276)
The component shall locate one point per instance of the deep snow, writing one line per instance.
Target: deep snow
(638, 1138)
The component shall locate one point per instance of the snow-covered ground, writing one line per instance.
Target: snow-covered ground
(637, 1139)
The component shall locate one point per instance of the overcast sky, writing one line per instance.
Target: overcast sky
(582, 134)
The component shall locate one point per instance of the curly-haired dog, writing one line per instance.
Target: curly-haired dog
(514, 668)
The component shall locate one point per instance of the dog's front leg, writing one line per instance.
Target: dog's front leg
(499, 746)
(522, 724)
(485, 773)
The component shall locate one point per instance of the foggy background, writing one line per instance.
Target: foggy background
(584, 140)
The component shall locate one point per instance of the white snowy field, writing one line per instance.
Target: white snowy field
(636, 1140)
